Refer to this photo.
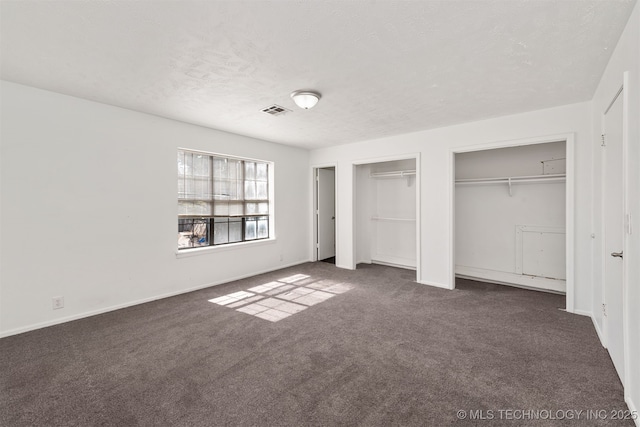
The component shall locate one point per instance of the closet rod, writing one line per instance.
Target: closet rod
(529, 178)
(381, 218)
(558, 177)
(392, 174)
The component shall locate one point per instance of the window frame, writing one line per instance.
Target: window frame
(210, 219)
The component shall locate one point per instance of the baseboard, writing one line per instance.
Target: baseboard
(511, 279)
(391, 264)
(58, 321)
(435, 284)
(393, 261)
(595, 324)
(344, 267)
(633, 409)
(598, 331)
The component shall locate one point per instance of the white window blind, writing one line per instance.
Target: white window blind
(221, 199)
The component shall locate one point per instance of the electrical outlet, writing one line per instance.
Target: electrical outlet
(58, 302)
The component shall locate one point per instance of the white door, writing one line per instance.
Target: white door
(326, 180)
(614, 233)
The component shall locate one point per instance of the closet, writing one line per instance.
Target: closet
(510, 216)
(386, 213)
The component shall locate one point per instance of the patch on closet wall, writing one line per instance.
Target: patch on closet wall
(554, 166)
(541, 251)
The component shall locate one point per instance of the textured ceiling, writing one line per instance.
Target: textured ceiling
(383, 67)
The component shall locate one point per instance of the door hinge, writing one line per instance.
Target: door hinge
(604, 309)
(603, 141)
(629, 228)
(317, 245)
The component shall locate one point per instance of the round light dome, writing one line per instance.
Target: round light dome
(305, 99)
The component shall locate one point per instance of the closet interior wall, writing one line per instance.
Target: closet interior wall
(510, 215)
(386, 213)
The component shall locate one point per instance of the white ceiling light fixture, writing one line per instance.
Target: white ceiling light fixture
(305, 99)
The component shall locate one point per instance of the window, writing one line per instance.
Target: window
(221, 200)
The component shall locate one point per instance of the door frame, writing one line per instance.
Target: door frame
(320, 172)
(622, 91)
(408, 156)
(569, 139)
(314, 204)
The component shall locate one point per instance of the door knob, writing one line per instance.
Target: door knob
(616, 254)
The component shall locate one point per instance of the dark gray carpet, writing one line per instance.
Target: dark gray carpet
(387, 352)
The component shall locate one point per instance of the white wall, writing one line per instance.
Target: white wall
(487, 215)
(486, 220)
(89, 208)
(436, 190)
(626, 58)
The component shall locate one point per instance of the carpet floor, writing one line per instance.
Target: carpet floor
(314, 345)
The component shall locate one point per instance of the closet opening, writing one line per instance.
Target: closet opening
(386, 213)
(510, 209)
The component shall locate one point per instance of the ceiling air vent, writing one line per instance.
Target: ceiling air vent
(275, 110)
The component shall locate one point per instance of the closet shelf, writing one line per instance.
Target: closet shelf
(393, 174)
(559, 177)
(382, 218)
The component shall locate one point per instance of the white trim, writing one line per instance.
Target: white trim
(140, 301)
(392, 264)
(353, 170)
(451, 261)
(392, 261)
(583, 313)
(407, 156)
(418, 216)
(511, 279)
(569, 139)
(598, 330)
(185, 253)
(314, 204)
(632, 408)
(570, 225)
(434, 284)
(626, 303)
(595, 324)
(626, 210)
(602, 260)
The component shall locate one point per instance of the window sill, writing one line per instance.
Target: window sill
(185, 253)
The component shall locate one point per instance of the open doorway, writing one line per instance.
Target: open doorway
(513, 215)
(325, 218)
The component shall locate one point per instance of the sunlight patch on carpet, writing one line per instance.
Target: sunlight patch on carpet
(282, 298)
